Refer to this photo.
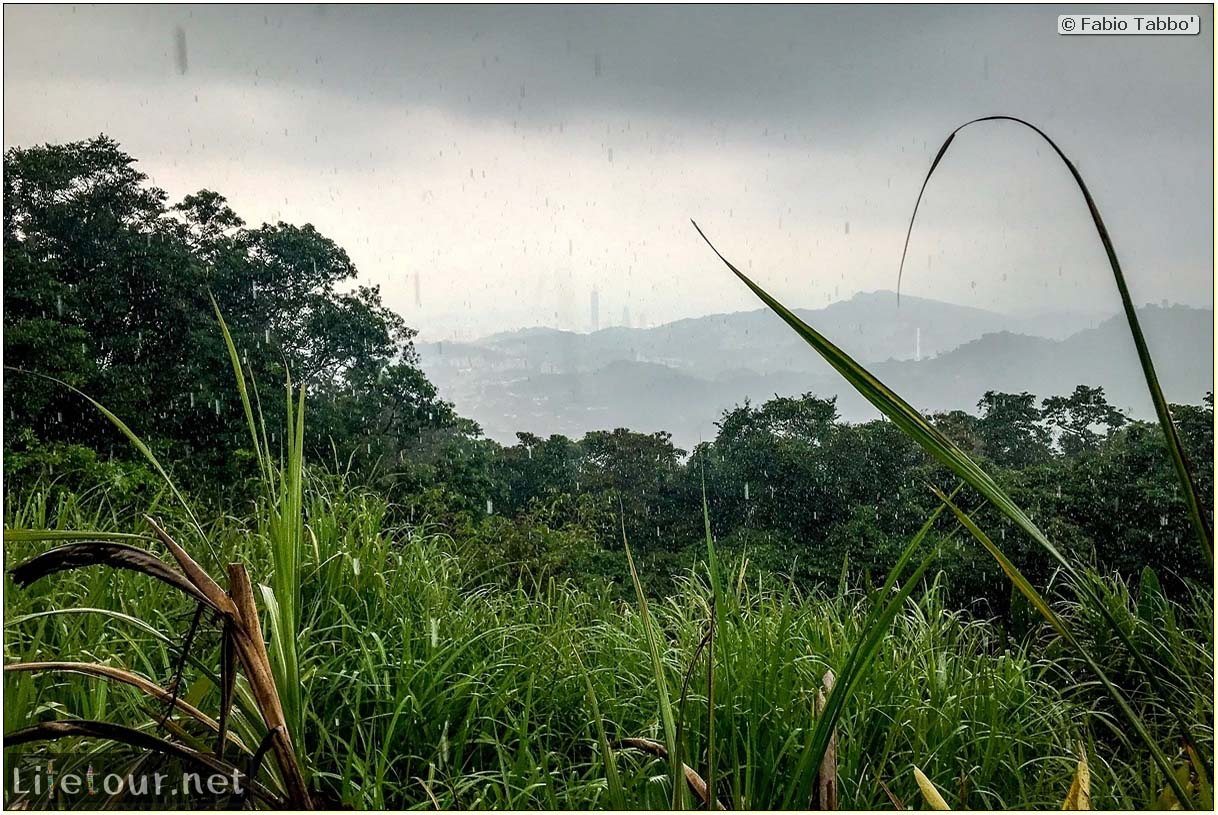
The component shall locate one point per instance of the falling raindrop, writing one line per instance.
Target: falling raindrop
(179, 42)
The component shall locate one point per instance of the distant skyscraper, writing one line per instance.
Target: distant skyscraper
(626, 316)
(596, 309)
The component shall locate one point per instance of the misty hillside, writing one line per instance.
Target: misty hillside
(680, 376)
(873, 326)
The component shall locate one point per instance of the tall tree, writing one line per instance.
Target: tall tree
(1010, 429)
(1076, 417)
(108, 288)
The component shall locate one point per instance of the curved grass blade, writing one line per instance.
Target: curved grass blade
(104, 553)
(145, 451)
(26, 535)
(84, 728)
(1192, 497)
(617, 798)
(125, 677)
(931, 439)
(244, 700)
(260, 449)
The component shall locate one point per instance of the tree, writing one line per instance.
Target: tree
(636, 475)
(1010, 429)
(1074, 417)
(109, 289)
(96, 293)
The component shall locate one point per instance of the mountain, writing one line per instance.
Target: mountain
(681, 376)
(873, 326)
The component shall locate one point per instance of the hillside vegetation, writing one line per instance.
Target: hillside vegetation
(1008, 605)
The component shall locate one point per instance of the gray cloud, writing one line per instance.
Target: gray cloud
(512, 158)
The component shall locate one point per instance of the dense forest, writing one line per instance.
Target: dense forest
(112, 291)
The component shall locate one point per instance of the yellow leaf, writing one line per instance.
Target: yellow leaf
(1079, 796)
(1168, 799)
(932, 796)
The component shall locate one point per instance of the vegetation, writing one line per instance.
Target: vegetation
(1004, 602)
(419, 679)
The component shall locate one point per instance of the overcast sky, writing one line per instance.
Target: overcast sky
(490, 166)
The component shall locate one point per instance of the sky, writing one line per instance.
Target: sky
(492, 167)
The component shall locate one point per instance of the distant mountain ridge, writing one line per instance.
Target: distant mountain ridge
(874, 326)
(681, 376)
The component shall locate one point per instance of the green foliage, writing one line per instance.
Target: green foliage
(78, 472)
(1076, 416)
(107, 288)
(444, 611)
(1010, 429)
(799, 496)
(425, 678)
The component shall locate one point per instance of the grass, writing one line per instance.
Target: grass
(424, 686)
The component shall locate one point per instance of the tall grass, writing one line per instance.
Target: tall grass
(1201, 525)
(426, 686)
(281, 525)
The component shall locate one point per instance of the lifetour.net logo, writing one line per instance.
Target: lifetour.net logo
(96, 780)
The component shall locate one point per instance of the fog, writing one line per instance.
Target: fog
(492, 168)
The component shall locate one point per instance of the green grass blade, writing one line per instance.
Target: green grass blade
(657, 668)
(16, 535)
(617, 798)
(866, 647)
(712, 565)
(1188, 486)
(239, 376)
(1040, 604)
(902, 414)
(285, 531)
